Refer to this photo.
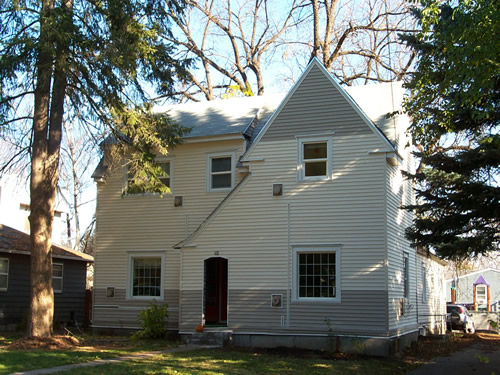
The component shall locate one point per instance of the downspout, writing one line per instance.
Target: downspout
(289, 291)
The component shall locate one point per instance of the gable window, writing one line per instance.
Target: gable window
(57, 277)
(315, 160)
(4, 274)
(406, 275)
(146, 277)
(317, 273)
(220, 172)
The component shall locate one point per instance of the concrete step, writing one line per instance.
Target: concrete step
(211, 338)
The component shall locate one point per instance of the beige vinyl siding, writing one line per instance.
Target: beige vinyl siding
(431, 302)
(252, 233)
(150, 223)
(399, 193)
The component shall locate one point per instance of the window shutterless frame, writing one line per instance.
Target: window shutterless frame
(220, 171)
(316, 273)
(145, 276)
(4, 274)
(167, 164)
(314, 159)
(57, 277)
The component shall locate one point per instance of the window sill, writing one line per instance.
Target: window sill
(316, 300)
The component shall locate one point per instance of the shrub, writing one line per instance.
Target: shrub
(153, 322)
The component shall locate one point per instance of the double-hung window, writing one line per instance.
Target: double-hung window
(57, 277)
(165, 165)
(317, 273)
(4, 274)
(146, 275)
(220, 172)
(315, 159)
(481, 294)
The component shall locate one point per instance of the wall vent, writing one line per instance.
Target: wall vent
(178, 201)
(277, 190)
(276, 300)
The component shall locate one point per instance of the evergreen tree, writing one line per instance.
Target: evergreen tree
(454, 108)
(89, 58)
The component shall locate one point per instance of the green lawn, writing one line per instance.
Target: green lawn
(221, 361)
(15, 360)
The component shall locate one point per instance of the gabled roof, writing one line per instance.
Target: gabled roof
(17, 242)
(483, 271)
(481, 280)
(315, 63)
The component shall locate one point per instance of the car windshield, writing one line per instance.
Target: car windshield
(451, 309)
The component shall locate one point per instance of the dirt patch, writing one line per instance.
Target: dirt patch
(52, 343)
(430, 347)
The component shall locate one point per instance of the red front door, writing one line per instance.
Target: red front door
(216, 291)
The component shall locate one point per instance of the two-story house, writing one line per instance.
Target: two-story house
(283, 228)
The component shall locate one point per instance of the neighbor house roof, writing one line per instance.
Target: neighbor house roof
(17, 242)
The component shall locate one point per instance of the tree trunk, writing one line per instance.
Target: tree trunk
(47, 132)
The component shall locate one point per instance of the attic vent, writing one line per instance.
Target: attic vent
(277, 190)
(276, 300)
(110, 292)
(178, 201)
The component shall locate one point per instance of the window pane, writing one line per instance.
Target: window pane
(220, 181)
(146, 277)
(316, 276)
(165, 166)
(57, 270)
(57, 284)
(3, 281)
(221, 164)
(4, 265)
(315, 150)
(315, 168)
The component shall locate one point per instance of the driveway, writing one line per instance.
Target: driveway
(476, 359)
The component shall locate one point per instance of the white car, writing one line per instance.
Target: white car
(458, 317)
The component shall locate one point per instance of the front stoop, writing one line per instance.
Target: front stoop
(209, 337)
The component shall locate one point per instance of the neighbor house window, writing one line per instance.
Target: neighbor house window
(316, 273)
(315, 161)
(220, 172)
(406, 275)
(481, 294)
(146, 277)
(4, 274)
(57, 277)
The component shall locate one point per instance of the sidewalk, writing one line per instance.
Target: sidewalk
(100, 362)
(476, 359)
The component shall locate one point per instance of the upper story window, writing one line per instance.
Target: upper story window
(167, 167)
(220, 172)
(4, 274)
(315, 159)
(57, 277)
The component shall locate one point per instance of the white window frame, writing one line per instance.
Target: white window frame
(2, 289)
(301, 161)
(58, 277)
(209, 173)
(316, 248)
(126, 178)
(485, 299)
(406, 275)
(130, 277)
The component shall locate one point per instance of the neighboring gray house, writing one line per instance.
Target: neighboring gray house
(479, 288)
(68, 277)
(283, 226)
